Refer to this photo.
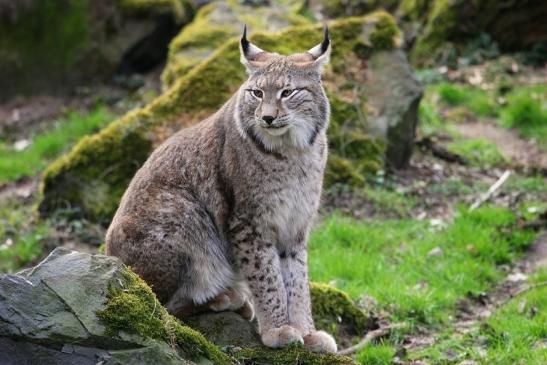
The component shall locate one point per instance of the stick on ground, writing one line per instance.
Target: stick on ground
(369, 337)
(484, 197)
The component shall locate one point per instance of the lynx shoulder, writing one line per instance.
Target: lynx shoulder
(218, 217)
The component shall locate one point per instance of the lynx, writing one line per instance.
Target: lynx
(218, 217)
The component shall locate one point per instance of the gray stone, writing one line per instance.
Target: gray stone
(48, 315)
(394, 93)
(226, 329)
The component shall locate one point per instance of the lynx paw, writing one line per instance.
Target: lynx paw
(281, 336)
(246, 311)
(320, 341)
(232, 301)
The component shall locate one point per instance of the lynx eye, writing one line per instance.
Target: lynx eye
(286, 93)
(258, 93)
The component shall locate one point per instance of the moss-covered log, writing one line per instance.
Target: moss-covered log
(92, 177)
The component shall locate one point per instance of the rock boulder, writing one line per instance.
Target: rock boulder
(78, 308)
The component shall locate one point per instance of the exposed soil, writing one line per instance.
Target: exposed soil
(521, 152)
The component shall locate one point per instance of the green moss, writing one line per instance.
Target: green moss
(216, 23)
(133, 308)
(354, 154)
(91, 178)
(332, 305)
(415, 10)
(386, 34)
(294, 355)
(441, 23)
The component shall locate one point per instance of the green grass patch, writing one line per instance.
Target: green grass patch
(21, 235)
(389, 202)
(478, 152)
(526, 111)
(478, 101)
(454, 186)
(516, 333)
(389, 260)
(46, 146)
(381, 354)
(530, 184)
(429, 117)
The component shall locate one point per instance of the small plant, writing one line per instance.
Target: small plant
(376, 355)
(452, 94)
(20, 236)
(478, 152)
(478, 101)
(48, 145)
(524, 111)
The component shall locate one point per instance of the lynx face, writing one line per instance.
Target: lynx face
(282, 103)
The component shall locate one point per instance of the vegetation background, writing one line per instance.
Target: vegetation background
(87, 89)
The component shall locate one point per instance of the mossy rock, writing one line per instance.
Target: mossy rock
(91, 178)
(50, 45)
(342, 8)
(449, 25)
(78, 308)
(219, 21)
(132, 307)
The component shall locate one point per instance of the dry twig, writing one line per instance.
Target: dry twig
(439, 151)
(369, 337)
(484, 197)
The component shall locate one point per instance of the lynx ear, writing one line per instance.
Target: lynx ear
(321, 52)
(250, 54)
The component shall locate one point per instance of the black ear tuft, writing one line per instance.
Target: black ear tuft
(244, 41)
(326, 40)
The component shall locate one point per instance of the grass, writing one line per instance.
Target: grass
(21, 235)
(526, 111)
(46, 146)
(478, 101)
(389, 202)
(389, 260)
(530, 184)
(430, 120)
(478, 152)
(516, 333)
(381, 354)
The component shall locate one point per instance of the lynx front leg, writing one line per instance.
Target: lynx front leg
(259, 263)
(294, 266)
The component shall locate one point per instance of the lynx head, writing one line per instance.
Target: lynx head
(282, 104)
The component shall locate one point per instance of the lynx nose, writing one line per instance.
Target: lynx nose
(268, 119)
